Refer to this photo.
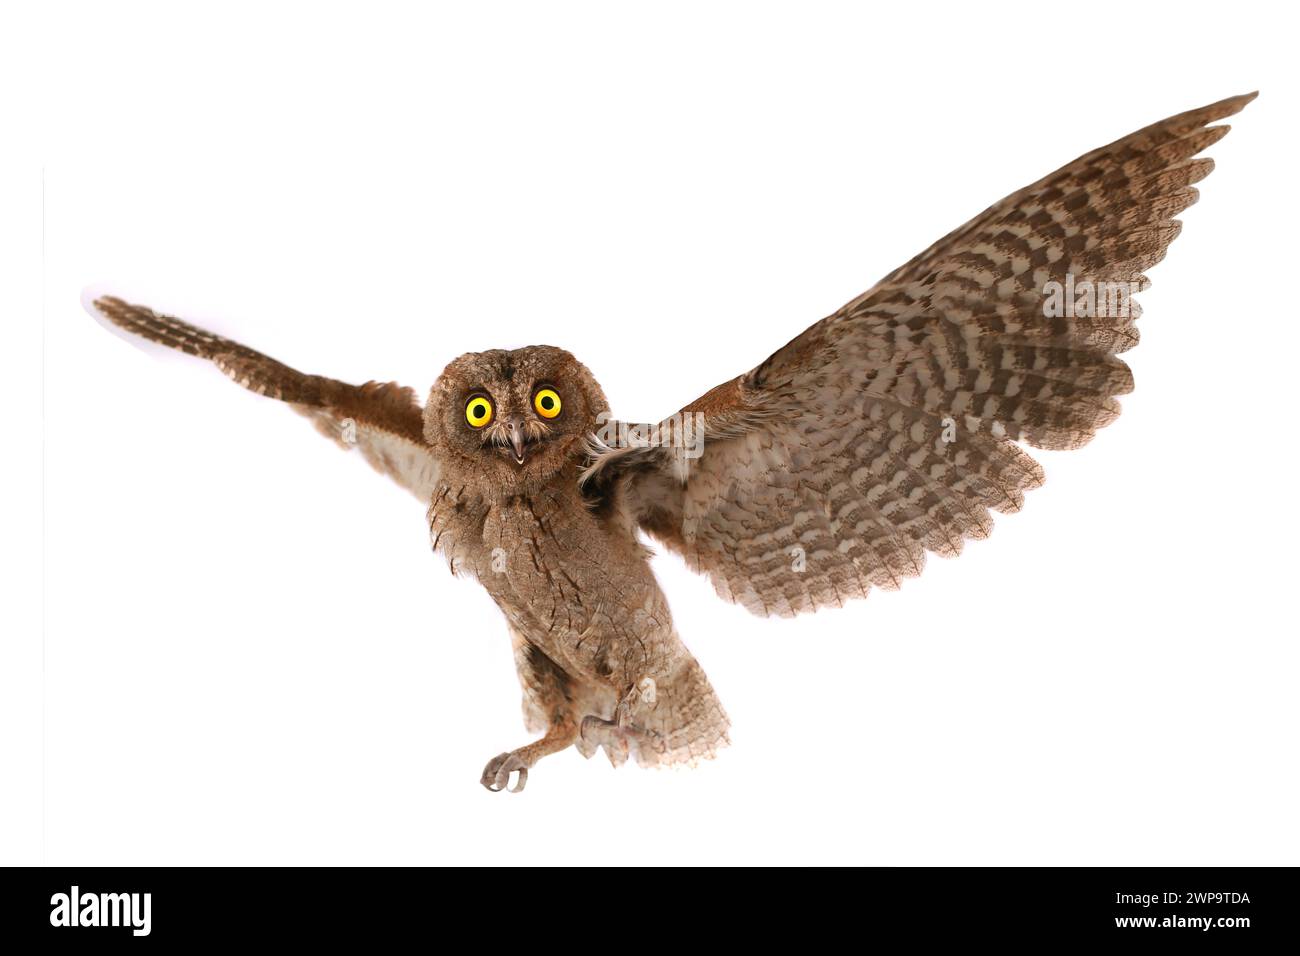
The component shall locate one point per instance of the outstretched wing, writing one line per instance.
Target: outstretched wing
(382, 419)
(890, 428)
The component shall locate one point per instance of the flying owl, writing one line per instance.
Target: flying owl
(889, 429)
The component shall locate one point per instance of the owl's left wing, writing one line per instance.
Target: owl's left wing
(381, 419)
(890, 428)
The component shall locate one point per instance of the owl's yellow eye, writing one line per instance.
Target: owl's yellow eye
(478, 411)
(547, 402)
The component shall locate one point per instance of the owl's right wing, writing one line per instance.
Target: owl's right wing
(381, 419)
(892, 428)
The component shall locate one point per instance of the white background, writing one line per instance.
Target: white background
(248, 654)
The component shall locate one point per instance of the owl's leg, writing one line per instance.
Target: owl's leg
(496, 775)
(547, 702)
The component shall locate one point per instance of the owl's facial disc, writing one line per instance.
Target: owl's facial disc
(506, 421)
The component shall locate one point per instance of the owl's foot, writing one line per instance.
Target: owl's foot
(616, 737)
(496, 775)
(598, 732)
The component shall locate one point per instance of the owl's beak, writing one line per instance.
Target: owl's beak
(517, 441)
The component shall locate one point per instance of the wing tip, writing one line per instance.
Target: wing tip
(94, 297)
(1226, 107)
(104, 307)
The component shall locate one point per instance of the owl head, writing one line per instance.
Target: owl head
(508, 420)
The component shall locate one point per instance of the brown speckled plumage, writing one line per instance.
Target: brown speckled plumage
(888, 430)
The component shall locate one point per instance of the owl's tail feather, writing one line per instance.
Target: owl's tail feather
(383, 419)
(686, 722)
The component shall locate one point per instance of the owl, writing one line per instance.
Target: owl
(887, 431)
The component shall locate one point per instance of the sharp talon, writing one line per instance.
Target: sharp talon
(589, 725)
(491, 773)
(496, 775)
